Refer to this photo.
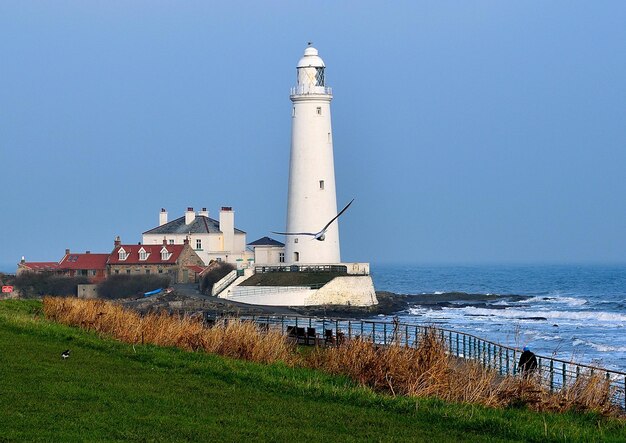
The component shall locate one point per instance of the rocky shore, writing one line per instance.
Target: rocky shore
(186, 298)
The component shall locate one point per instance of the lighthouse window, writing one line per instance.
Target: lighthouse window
(319, 110)
(293, 112)
(296, 256)
(319, 76)
(321, 184)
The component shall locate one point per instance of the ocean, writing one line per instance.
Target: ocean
(569, 312)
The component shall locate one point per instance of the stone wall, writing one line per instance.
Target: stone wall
(87, 291)
(348, 291)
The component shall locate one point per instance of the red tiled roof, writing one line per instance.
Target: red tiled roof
(154, 254)
(83, 261)
(41, 265)
(195, 268)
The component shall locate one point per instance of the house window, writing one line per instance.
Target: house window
(171, 241)
(128, 271)
(147, 271)
(94, 272)
(122, 255)
(143, 255)
(296, 256)
(321, 184)
(117, 271)
(198, 243)
(160, 271)
(281, 257)
(319, 110)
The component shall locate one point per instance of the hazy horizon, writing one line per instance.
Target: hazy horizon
(468, 133)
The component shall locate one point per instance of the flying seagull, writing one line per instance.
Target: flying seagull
(321, 235)
(65, 354)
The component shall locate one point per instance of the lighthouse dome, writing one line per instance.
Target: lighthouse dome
(311, 59)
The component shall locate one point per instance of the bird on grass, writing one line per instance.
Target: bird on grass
(321, 235)
(65, 354)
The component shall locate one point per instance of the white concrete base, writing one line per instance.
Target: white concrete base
(346, 291)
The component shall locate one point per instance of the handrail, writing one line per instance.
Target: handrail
(460, 344)
(222, 284)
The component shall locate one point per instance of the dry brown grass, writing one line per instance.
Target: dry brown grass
(235, 339)
(427, 370)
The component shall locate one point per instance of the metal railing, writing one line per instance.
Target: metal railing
(306, 90)
(302, 268)
(553, 373)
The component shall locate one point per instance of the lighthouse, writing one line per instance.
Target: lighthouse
(312, 201)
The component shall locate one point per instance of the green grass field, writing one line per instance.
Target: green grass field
(111, 391)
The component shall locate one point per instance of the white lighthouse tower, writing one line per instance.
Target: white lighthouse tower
(312, 201)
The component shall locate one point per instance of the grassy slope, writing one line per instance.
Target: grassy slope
(109, 391)
(290, 278)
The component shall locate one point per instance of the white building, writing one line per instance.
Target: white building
(268, 251)
(211, 239)
(312, 201)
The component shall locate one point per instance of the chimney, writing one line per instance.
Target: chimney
(164, 240)
(117, 241)
(186, 241)
(204, 213)
(190, 216)
(67, 252)
(162, 217)
(227, 226)
(87, 252)
(23, 260)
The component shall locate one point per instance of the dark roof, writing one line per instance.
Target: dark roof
(200, 225)
(266, 241)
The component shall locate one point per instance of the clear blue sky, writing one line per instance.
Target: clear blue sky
(468, 132)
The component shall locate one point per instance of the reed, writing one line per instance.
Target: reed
(236, 339)
(428, 370)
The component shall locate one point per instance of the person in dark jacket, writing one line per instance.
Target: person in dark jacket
(527, 362)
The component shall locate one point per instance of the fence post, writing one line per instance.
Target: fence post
(385, 334)
(500, 360)
(337, 332)
(282, 324)
(406, 333)
(464, 354)
(457, 344)
(349, 330)
(564, 380)
(374, 332)
(551, 375)
(514, 362)
(507, 361)
(362, 330)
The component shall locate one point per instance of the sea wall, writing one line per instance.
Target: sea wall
(345, 291)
